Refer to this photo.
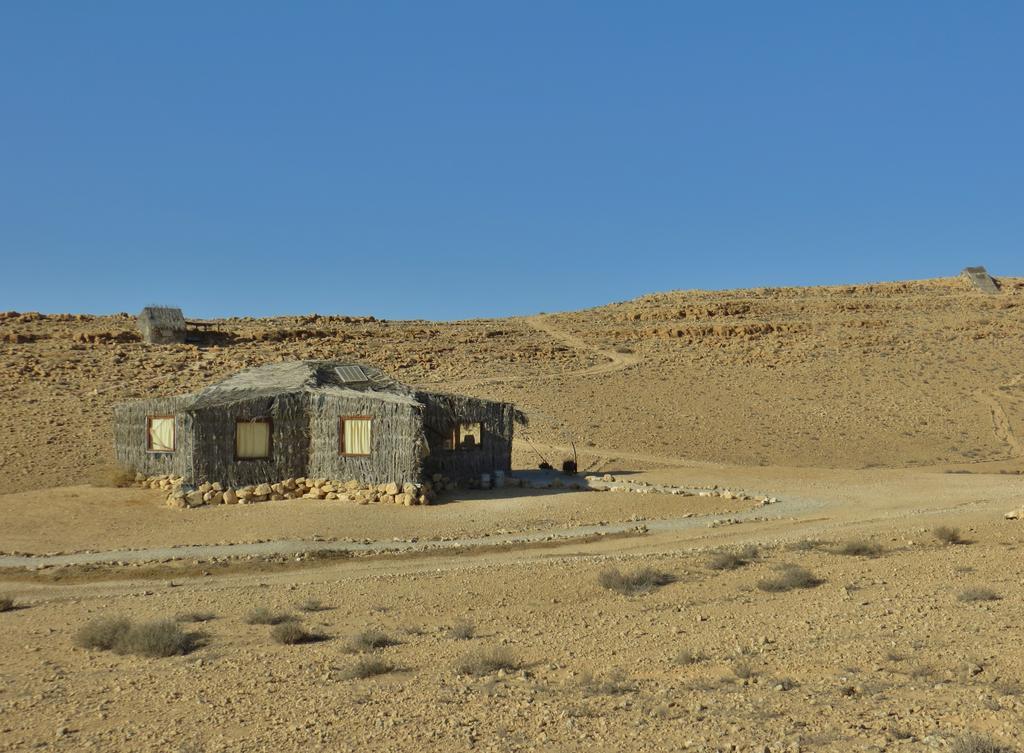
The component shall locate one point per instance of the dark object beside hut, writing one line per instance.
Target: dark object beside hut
(318, 419)
(161, 325)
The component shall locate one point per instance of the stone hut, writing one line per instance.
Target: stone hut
(162, 325)
(317, 419)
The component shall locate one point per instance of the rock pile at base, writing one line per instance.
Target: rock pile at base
(182, 496)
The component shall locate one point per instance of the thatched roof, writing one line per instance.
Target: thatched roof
(324, 377)
(162, 317)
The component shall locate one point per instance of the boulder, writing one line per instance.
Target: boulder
(206, 487)
(391, 489)
(195, 499)
(275, 497)
(230, 498)
(177, 502)
(1015, 514)
(263, 490)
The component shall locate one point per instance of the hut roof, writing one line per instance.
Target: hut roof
(325, 377)
(163, 317)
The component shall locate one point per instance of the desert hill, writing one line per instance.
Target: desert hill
(894, 374)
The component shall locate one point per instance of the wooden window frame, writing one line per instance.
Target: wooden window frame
(149, 436)
(457, 446)
(270, 439)
(341, 437)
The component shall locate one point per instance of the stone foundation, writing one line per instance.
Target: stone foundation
(182, 495)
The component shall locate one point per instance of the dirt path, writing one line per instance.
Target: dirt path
(1000, 421)
(615, 361)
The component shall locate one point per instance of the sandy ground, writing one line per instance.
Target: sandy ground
(852, 405)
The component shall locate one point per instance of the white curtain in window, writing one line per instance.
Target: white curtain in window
(357, 436)
(252, 439)
(161, 434)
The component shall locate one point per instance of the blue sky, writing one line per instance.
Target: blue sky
(461, 159)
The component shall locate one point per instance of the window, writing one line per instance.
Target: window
(354, 435)
(252, 439)
(160, 434)
(467, 436)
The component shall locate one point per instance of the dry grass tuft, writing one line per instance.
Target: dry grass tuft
(292, 633)
(263, 616)
(638, 582)
(312, 605)
(978, 593)
(462, 630)
(615, 682)
(6, 604)
(156, 640)
(790, 577)
(973, 743)
(686, 657)
(486, 661)
(743, 669)
(365, 667)
(948, 535)
(115, 476)
(102, 634)
(370, 640)
(152, 639)
(731, 560)
(859, 548)
(805, 545)
(194, 617)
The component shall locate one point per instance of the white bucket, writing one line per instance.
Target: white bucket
(499, 479)
(485, 481)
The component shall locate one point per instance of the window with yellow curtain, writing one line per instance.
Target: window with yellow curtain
(160, 433)
(354, 435)
(252, 439)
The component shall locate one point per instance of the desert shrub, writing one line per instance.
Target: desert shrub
(948, 535)
(743, 669)
(462, 630)
(686, 657)
(805, 545)
(263, 616)
(859, 548)
(978, 593)
(291, 633)
(370, 640)
(921, 671)
(155, 640)
(1008, 686)
(725, 561)
(194, 617)
(614, 682)
(623, 349)
(789, 578)
(485, 661)
(367, 666)
(312, 605)
(116, 476)
(972, 743)
(102, 634)
(638, 582)
(6, 603)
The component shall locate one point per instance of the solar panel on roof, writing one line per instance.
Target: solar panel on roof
(350, 374)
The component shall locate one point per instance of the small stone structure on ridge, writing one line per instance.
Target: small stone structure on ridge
(981, 279)
(162, 325)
